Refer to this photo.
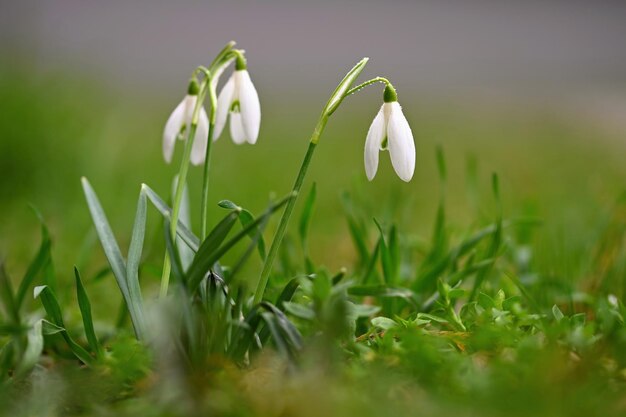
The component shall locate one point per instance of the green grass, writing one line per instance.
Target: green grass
(456, 294)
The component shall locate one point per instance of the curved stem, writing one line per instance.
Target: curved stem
(282, 226)
(207, 157)
(205, 181)
(180, 185)
(333, 103)
(367, 84)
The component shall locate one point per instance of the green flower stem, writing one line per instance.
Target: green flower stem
(333, 103)
(180, 185)
(368, 83)
(207, 160)
(205, 184)
(284, 220)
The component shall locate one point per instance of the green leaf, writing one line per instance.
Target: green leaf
(107, 239)
(85, 311)
(202, 263)
(227, 204)
(441, 164)
(287, 293)
(300, 311)
(293, 336)
(51, 305)
(135, 301)
(557, 313)
(339, 94)
(385, 256)
(277, 337)
(7, 297)
(485, 301)
(176, 262)
(206, 255)
(371, 265)
(363, 310)
(384, 323)
(182, 231)
(50, 329)
(34, 348)
(380, 291)
(246, 218)
(37, 265)
(431, 317)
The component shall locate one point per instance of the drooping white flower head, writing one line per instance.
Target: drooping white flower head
(179, 124)
(239, 99)
(390, 130)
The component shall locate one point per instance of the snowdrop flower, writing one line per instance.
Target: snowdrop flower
(239, 99)
(179, 124)
(390, 130)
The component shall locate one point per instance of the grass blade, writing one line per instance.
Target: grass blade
(203, 263)
(85, 310)
(205, 257)
(6, 294)
(135, 301)
(38, 264)
(107, 239)
(182, 231)
(51, 305)
(34, 348)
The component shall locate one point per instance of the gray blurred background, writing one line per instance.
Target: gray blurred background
(572, 50)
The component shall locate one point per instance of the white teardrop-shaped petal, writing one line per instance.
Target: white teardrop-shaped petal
(190, 105)
(237, 133)
(249, 105)
(375, 136)
(172, 128)
(401, 145)
(198, 151)
(224, 101)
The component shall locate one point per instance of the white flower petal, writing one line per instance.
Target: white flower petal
(190, 104)
(375, 137)
(172, 128)
(224, 101)
(198, 151)
(401, 145)
(250, 106)
(237, 132)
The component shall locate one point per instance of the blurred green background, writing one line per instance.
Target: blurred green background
(86, 90)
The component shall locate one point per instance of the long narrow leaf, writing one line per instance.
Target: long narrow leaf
(181, 230)
(51, 305)
(135, 301)
(34, 348)
(85, 310)
(177, 266)
(107, 239)
(203, 263)
(205, 257)
(38, 264)
(345, 84)
(7, 296)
